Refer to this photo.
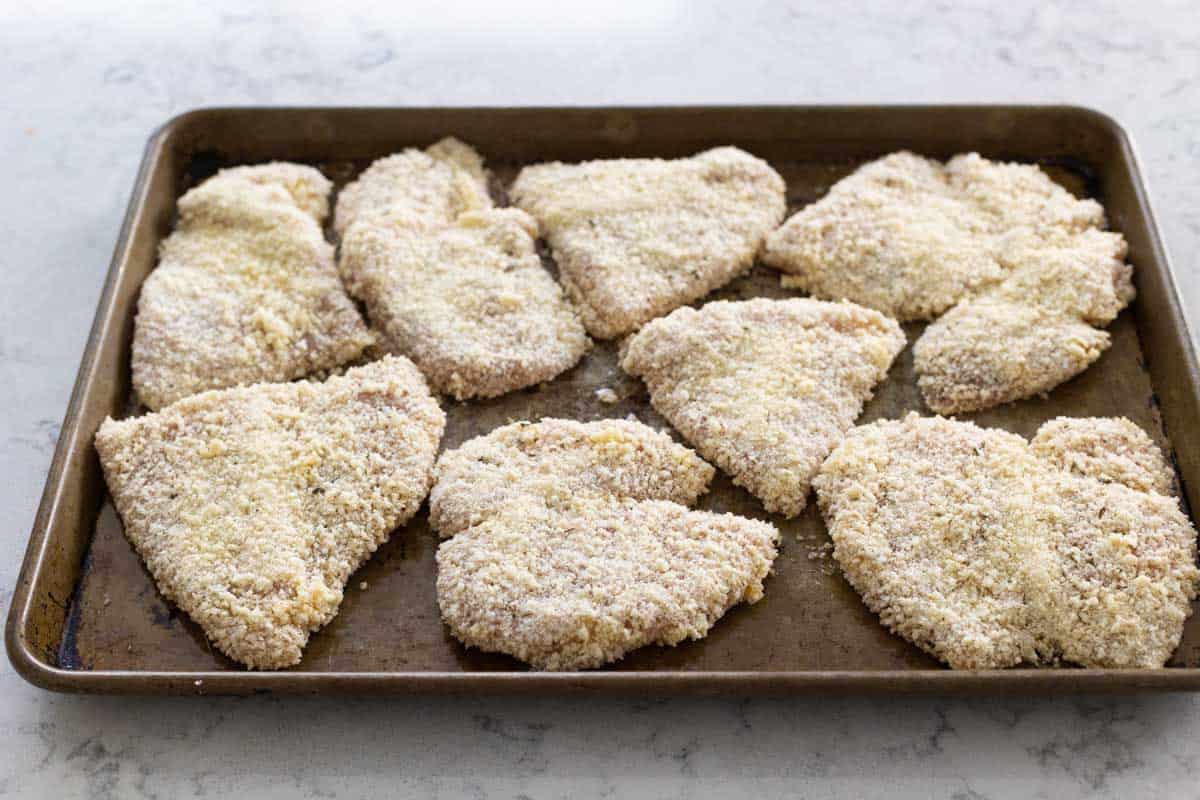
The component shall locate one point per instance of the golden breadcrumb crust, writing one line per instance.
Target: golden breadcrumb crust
(245, 289)
(571, 544)
(637, 238)
(989, 552)
(1017, 262)
(765, 388)
(252, 506)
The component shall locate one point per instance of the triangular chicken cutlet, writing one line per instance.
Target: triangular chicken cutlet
(450, 282)
(765, 388)
(989, 552)
(636, 238)
(245, 290)
(252, 506)
(572, 543)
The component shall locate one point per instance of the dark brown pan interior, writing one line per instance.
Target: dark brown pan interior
(91, 609)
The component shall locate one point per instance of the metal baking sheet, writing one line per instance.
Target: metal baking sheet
(86, 615)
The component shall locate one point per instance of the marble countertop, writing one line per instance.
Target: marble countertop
(85, 85)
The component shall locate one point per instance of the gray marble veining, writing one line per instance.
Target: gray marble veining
(85, 84)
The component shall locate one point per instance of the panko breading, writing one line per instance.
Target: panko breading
(989, 552)
(431, 186)
(765, 388)
(252, 506)
(470, 302)
(637, 238)
(911, 237)
(245, 290)
(1030, 332)
(572, 544)
(1019, 263)
(450, 282)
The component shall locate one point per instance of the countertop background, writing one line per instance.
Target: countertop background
(82, 87)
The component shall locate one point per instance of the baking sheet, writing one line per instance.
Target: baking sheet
(810, 630)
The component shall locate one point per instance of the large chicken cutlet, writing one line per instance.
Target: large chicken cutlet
(765, 388)
(572, 544)
(637, 238)
(450, 282)
(988, 551)
(252, 506)
(245, 290)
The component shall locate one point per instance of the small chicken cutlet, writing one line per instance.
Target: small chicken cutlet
(1034, 330)
(765, 388)
(637, 238)
(452, 283)
(252, 506)
(1017, 263)
(989, 552)
(572, 543)
(246, 289)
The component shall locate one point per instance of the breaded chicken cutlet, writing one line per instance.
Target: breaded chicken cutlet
(252, 506)
(988, 551)
(637, 238)
(450, 282)
(245, 290)
(1019, 265)
(765, 388)
(572, 543)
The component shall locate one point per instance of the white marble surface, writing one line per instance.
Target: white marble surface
(84, 85)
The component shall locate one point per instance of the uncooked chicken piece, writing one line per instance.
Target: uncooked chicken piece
(765, 388)
(450, 282)
(637, 238)
(1032, 331)
(470, 302)
(245, 290)
(572, 543)
(990, 552)
(1020, 267)
(911, 237)
(431, 187)
(252, 506)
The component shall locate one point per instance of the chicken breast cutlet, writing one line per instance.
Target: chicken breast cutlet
(636, 238)
(450, 282)
(1034, 330)
(245, 290)
(1019, 265)
(572, 544)
(470, 302)
(252, 506)
(765, 388)
(988, 552)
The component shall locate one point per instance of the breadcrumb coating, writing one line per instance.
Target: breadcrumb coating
(765, 388)
(571, 544)
(245, 290)
(252, 506)
(432, 186)
(989, 552)
(1032, 331)
(470, 303)
(450, 282)
(1018, 264)
(636, 238)
(911, 237)
(555, 462)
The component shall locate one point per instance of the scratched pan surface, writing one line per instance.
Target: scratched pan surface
(86, 615)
